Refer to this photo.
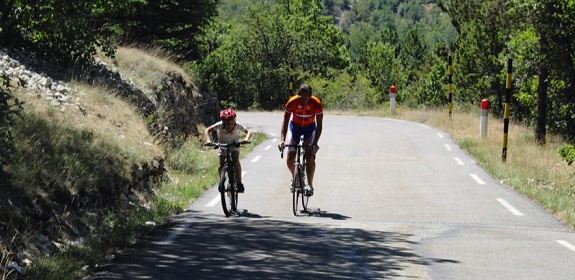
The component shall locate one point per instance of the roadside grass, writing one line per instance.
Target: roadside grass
(536, 171)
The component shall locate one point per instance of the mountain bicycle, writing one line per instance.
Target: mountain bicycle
(298, 179)
(227, 185)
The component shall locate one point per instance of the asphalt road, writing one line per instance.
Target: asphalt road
(393, 200)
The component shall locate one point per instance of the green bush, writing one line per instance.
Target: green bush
(567, 152)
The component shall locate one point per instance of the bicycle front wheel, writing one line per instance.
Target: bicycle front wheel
(225, 187)
(304, 197)
(304, 201)
(233, 193)
(297, 190)
(299, 194)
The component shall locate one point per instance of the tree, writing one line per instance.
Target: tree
(382, 67)
(554, 23)
(481, 41)
(64, 31)
(171, 24)
(249, 67)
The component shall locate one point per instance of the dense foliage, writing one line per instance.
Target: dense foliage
(171, 24)
(339, 47)
(538, 36)
(70, 32)
(247, 61)
(351, 51)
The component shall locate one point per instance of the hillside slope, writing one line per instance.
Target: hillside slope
(90, 148)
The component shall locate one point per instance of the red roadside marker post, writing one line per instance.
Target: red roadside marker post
(483, 119)
(392, 90)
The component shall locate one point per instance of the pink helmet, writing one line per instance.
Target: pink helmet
(227, 114)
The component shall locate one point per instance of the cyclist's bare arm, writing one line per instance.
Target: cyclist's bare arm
(318, 129)
(207, 133)
(248, 137)
(283, 131)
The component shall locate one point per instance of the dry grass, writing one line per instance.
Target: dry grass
(144, 67)
(112, 119)
(536, 171)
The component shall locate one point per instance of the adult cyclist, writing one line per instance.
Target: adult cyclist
(303, 115)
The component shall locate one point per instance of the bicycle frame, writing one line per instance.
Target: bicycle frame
(298, 179)
(227, 184)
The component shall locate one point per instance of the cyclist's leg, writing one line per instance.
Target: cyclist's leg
(309, 157)
(293, 133)
(291, 161)
(222, 157)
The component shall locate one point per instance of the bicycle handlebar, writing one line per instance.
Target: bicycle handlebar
(297, 146)
(226, 145)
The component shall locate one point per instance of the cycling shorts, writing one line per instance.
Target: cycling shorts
(295, 132)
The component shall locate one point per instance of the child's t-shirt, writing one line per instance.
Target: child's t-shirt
(228, 136)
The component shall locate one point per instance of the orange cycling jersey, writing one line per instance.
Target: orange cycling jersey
(304, 115)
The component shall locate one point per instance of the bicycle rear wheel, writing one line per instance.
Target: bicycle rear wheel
(225, 195)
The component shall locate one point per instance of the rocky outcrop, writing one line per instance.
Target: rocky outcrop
(176, 106)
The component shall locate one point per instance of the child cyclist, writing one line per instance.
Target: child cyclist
(228, 131)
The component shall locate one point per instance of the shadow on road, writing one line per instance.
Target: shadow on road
(316, 212)
(213, 247)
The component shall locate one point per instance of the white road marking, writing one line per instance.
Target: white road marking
(273, 135)
(458, 161)
(268, 147)
(214, 201)
(274, 140)
(477, 179)
(256, 159)
(509, 207)
(567, 245)
(424, 126)
(170, 237)
(440, 135)
(448, 147)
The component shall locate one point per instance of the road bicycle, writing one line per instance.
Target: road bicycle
(298, 179)
(227, 185)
